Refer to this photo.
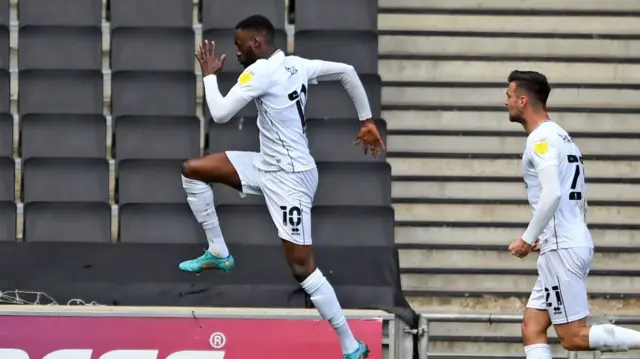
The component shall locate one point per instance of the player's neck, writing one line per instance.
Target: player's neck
(267, 53)
(534, 121)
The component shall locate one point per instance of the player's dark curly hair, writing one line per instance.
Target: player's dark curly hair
(258, 23)
(533, 83)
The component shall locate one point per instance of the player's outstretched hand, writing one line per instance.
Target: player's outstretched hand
(520, 248)
(370, 138)
(209, 63)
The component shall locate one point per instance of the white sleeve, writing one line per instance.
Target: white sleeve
(547, 204)
(318, 70)
(223, 108)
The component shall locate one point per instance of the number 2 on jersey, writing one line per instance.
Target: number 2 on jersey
(575, 195)
(295, 96)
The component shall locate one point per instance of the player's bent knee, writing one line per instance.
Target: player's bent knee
(572, 342)
(190, 169)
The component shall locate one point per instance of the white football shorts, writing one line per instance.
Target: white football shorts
(561, 287)
(289, 196)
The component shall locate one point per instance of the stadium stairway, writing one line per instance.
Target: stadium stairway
(458, 194)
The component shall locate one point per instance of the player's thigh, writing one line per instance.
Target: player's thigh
(564, 276)
(289, 198)
(536, 319)
(213, 168)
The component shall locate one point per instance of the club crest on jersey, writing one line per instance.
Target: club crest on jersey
(245, 78)
(541, 146)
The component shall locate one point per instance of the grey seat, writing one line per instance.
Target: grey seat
(67, 222)
(247, 224)
(150, 181)
(60, 12)
(225, 82)
(5, 91)
(4, 12)
(239, 134)
(224, 40)
(345, 226)
(150, 13)
(75, 136)
(156, 137)
(159, 223)
(60, 48)
(6, 135)
(5, 50)
(62, 92)
(354, 184)
(357, 48)
(145, 49)
(328, 99)
(224, 15)
(225, 195)
(153, 93)
(332, 140)
(8, 217)
(337, 15)
(7, 179)
(65, 180)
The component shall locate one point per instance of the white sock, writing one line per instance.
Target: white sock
(538, 351)
(611, 338)
(324, 299)
(200, 198)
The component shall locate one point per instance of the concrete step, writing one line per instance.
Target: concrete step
(454, 95)
(503, 190)
(498, 258)
(511, 142)
(507, 22)
(505, 283)
(498, 121)
(618, 5)
(482, 45)
(483, 236)
(470, 166)
(463, 70)
(495, 350)
(506, 213)
(485, 303)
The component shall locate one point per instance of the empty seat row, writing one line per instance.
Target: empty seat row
(174, 223)
(158, 181)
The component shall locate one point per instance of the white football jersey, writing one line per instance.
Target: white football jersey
(550, 145)
(280, 85)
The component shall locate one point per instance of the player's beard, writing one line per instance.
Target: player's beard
(248, 59)
(517, 118)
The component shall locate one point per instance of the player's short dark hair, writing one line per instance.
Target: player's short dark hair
(258, 23)
(533, 83)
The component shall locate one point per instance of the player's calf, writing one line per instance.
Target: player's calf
(577, 336)
(534, 328)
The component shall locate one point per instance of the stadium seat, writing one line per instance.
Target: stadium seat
(224, 195)
(225, 82)
(145, 49)
(239, 134)
(67, 222)
(60, 48)
(156, 137)
(8, 216)
(62, 92)
(353, 226)
(5, 91)
(150, 181)
(4, 13)
(5, 48)
(7, 179)
(65, 180)
(337, 15)
(224, 15)
(332, 140)
(353, 184)
(153, 93)
(60, 12)
(357, 48)
(328, 99)
(151, 13)
(225, 44)
(6, 135)
(247, 224)
(159, 223)
(75, 136)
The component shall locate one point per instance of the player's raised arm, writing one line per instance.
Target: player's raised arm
(222, 108)
(544, 154)
(318, 70)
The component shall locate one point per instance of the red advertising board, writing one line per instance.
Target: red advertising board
(59, 337)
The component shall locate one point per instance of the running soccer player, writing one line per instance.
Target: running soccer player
(553, 172)
(284, 171)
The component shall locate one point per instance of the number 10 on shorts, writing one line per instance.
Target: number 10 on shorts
(292, 216)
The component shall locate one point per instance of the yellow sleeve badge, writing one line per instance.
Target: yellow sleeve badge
(541, 147)
(245, 78)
